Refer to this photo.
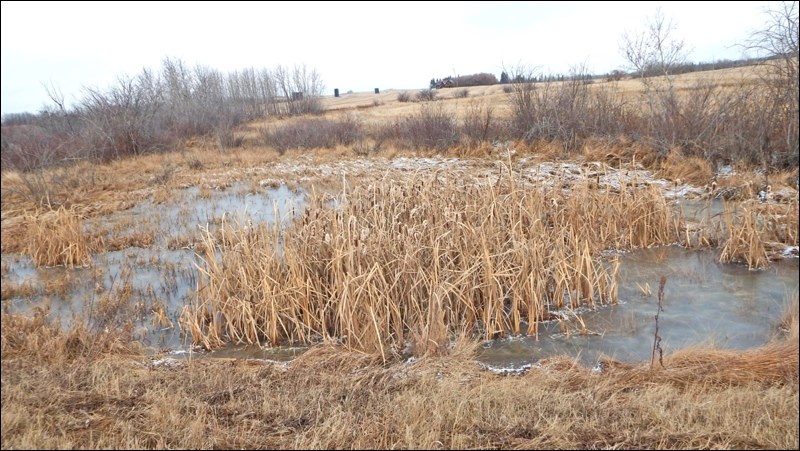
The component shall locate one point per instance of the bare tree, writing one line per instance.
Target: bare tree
(125, 119)
(523, 98)
(654, 51)
(777, 43)
(652, 54)
(154, 110)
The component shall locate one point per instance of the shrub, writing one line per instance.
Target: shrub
(313, 134)
(432, 128)
(478, 124)
(426, 95)
(154, 110)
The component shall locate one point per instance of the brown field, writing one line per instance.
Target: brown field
(77, 391)
(383, 106)
(428, 252)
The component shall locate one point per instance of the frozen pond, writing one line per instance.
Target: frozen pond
(705, 302)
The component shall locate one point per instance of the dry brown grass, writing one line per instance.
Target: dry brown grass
(747, 231)
(22, 290)
(101, 188)
(750, 232)
(161, 195)
(630, 90)
(742, 239)
(57, 238)
(35, 339)
(60, 391)
(412, 262)
(790, 317)
(681, 169)
(139, 238)
(59, 286)
(781, 222)
(774, 363)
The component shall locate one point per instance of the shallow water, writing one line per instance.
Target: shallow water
(697, 210)
(146, 279)
(705, 301)
(188, 211)
(236, 351)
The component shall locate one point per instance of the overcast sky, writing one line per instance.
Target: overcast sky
(354, 46)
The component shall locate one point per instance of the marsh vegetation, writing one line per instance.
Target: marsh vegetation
(467, 269)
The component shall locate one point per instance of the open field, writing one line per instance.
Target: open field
(377, 108)
(396, 243)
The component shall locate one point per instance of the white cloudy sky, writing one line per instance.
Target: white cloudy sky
(354, 45)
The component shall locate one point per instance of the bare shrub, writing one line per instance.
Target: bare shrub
(706, 120)
(778, 42)
(152, 111)
(404, 96)
(431, 128)
(653, 54)
(39, 155)
(426, 95)
(300, 80)
(609, 115)
(654, 51)
(125, 120)
(523, 99)
(227, 138)
(710, 119)
(313, 134)
(461, 94)
(479, 123)
(19, 119)
(40, 150)
(194, 163)
(563, 112)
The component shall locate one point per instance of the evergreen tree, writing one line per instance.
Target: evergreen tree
(504, 78)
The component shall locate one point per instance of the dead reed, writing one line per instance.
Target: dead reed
(406, 264)
(37, 338)
(57, 237)
(742, 238)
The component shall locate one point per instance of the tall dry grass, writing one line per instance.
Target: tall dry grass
(399, 265)
(742, 238)
(694, 170)
(65, 389)
(57, 237)
(37, 338)
(748, 232)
